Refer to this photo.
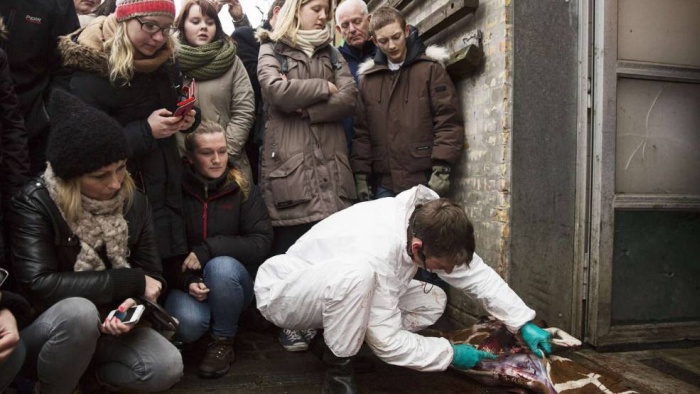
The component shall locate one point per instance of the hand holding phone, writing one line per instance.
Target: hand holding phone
(187, 100)
(130, 316)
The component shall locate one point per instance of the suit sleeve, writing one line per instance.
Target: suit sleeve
(448, 123)
(484, 285)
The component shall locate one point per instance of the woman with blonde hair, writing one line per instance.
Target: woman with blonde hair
(229, 235)
(83, 244)
(224, 93)
(123, 65)
(308, 88)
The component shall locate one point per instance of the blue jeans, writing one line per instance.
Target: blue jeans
(230, 291)
(11, 365)
(63, 340)
(383, 192)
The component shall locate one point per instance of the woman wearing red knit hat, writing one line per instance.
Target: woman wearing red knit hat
(123, 64)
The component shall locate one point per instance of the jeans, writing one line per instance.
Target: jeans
(11, 365)
(65, 338)
(383, 192)
(230, 292)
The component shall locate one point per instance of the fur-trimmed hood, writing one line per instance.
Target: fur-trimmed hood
(415, 51)
(263, 35)
(81, 57)
(433, 53)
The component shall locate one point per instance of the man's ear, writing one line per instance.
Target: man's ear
(416, 245)
(337, 29)
(407, 30)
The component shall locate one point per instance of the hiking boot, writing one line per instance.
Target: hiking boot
(292, 340)
(340, 375)
(218, 358)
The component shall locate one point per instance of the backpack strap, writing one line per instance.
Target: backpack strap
(284, 67)
(335, 60)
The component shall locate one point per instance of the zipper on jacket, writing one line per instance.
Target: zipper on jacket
(205, 213)
(274, 147)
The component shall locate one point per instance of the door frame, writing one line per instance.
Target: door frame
(596, 265)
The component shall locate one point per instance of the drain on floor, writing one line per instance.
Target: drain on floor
(673, 370)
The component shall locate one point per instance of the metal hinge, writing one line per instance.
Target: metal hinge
(588, 94)
(584, 285)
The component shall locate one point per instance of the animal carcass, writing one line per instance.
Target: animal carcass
(517, 366)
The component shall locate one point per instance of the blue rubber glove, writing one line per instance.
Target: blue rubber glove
(536, 339)
(467, 356)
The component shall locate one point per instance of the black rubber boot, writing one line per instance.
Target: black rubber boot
(340, 375)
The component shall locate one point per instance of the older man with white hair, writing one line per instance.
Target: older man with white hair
(352, 22)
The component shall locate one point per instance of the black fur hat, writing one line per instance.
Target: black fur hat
(82, 139)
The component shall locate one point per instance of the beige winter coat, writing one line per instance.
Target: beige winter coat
(305, 173)
(229, 101)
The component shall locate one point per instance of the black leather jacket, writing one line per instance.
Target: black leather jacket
(44, 250)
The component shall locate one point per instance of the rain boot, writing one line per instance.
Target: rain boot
(340, 376)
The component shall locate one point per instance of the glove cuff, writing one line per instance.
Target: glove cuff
(361, 177)
(440, 169)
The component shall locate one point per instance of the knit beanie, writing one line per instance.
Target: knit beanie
(127, 9)
(82, 139)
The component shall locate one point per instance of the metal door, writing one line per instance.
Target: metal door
(644, 184)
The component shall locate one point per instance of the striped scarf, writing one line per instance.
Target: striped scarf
(208, 61)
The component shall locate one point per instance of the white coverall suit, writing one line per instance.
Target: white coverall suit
(352, 276)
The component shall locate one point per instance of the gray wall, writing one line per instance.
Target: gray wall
(543, 166)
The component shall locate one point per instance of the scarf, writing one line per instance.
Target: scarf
(103, 29)
(208, 61)
(99, 224)
(308, 40)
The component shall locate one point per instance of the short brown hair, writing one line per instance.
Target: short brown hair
(270, 12)
(445, 230)
(384, 16)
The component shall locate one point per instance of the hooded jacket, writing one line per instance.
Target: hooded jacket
(408, 120)
(154, 163)
(221, 221)
(306, 173)
(44, 250)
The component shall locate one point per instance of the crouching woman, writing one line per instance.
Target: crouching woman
(83, 244)
(229, 235)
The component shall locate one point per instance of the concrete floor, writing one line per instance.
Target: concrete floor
(661, 371)
(262, 366)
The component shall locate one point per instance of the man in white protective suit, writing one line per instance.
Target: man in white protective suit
(352, 275)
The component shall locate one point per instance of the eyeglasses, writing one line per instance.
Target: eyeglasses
(153, 28)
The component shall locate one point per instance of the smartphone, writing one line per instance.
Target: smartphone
(131, 316)
(188, 99)
(3, 275)
(184, 107)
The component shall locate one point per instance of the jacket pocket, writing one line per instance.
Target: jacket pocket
(345, 180)
(421, 149)
(289, 184)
